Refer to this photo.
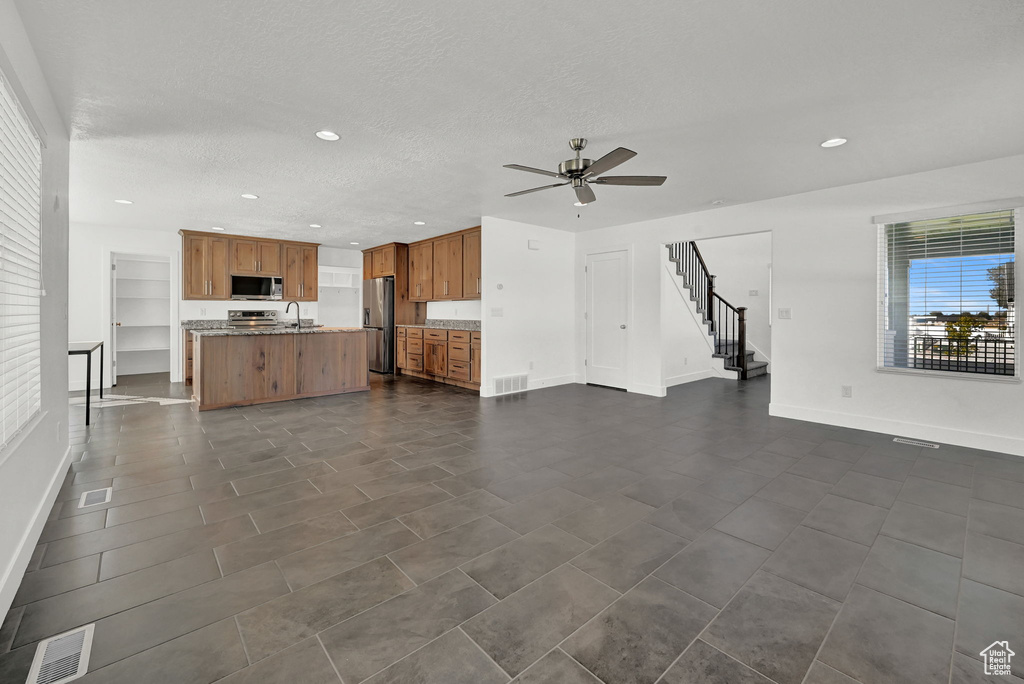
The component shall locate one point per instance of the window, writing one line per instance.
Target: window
(948, 295)
(20, 278)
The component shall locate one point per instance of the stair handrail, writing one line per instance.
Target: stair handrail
(676, 254)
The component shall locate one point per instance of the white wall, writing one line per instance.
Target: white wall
(824, 259)
(90, 248)
(527, 304)
(740, 264)
(33, 466)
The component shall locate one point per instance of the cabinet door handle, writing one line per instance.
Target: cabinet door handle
(478, 284)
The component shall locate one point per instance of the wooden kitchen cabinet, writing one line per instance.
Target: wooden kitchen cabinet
(421, 272)
(474, 359)
(210, 259)
(382, 261)
(448, 268)
(435, 358)
(255, 257)
(300, 273)
(205, 267)
(401, 352)
(472, 283)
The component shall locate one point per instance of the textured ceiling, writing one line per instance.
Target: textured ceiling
(182, 105)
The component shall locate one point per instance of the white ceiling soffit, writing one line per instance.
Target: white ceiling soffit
(183, 105)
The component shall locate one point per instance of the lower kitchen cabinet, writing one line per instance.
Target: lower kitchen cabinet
(448, 356)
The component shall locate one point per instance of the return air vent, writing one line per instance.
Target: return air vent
(914, 442)
(62, 658)
(95, 497)
(510, 384)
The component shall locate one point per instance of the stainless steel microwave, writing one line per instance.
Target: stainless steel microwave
(256, 287)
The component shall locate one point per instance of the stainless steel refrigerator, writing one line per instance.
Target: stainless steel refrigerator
(379, 320)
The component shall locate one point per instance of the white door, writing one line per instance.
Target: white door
(111, 353)
(607, 318)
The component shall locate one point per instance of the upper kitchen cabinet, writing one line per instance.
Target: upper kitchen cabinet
(380, 261)
(204, 269)
(300, 272)
(448, 268)
(421, 272)
(472, 283)
(210, 259)
(255, 257)
(368, 265)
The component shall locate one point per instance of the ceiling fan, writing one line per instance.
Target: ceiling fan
(580, 173)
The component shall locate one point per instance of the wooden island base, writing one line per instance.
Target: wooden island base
(241, 369)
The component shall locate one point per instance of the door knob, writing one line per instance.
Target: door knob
(623, 326)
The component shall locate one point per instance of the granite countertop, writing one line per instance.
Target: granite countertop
(447, 324)
(222, 323)
(218, 332)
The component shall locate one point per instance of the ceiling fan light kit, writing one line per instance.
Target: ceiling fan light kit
(580, 173)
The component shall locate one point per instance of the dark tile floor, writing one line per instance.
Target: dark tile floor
(418, 534)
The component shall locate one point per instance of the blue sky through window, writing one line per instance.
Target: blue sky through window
(953, 284)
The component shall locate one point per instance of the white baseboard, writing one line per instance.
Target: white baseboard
(649, 390)
(689, 377)
(932, 433)
(533, 384)
(15, 570)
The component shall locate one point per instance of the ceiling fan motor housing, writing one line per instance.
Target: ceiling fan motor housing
(574, 167)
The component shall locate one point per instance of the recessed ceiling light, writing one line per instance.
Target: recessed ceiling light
(718, 203)
(329, 136)
(248, 195)
(216, 228)
(834, 142)
(419, 223)
(315, 225)
(579, 204)
(353, 243)
(124, 202)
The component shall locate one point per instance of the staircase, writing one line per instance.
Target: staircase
(727, 324)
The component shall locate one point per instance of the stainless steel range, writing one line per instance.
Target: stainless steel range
(263, 318)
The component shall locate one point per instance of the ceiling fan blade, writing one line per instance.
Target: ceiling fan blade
(520, 167)
(609, 161)
(630, 180)
(585, 194)
(543, 187)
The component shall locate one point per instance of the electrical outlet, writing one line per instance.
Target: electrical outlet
(497, 312)
(785, 314)
(686, 360)
(753, 293)
(202, 311)
(531, 365)
(847, 391)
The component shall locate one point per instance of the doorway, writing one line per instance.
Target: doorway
(608, 317)
(140, 314)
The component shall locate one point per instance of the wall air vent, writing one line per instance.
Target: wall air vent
(62, 658)
(510, 384)
(95, 497)
(914, 442)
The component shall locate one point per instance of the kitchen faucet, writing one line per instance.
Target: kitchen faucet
(298, 319)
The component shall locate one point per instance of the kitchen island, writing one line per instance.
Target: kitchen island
(244, 367)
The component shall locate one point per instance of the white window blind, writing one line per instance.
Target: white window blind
(948, 295)
(20, 277)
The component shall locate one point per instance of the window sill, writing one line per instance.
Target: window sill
(976, 377)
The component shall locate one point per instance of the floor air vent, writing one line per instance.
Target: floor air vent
(62, 658)
(510, 384)
(914, 442)
(95, 497)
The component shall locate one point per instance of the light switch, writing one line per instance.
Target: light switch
(497, 312)
(533, 244)
(785, 314)
(753, 293)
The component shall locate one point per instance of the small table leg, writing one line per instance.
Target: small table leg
(101, 370)
(88, 384)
